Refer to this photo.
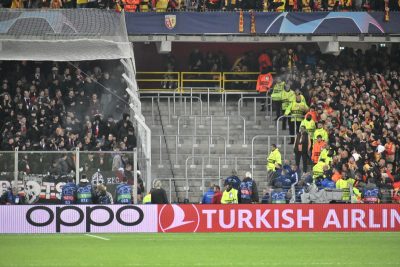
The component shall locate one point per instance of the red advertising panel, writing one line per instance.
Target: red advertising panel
(278, 218)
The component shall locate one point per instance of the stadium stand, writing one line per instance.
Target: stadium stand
(357, 106)
(208, 5)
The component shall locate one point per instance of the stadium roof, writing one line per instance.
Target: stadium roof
(62, 35)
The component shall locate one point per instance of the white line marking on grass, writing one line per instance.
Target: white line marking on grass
(99, 237)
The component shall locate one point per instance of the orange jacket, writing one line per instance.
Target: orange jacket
(131, 5)
(313, 114)
(264, 82)
(336, 176)
(316, 151)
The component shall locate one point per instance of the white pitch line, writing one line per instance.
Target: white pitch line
(99, 237)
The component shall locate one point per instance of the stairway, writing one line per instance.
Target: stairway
(204, 155)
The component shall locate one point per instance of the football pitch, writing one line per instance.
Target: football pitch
(206, 249)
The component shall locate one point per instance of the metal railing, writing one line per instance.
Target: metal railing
(218, 81)
(182, 100)
(268, 105)
(288, 118)
(280, 141)
(212, 117)
(194, 138)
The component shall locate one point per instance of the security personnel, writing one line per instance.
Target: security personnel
(276, 96)
(309, 124)
(68, 193)
(124, 193)
(370, 194)
(326, 155)
(321, 131)
(286, 98)
(230, 195)
(130, 5)
(344, 184)
(318, 146)
(147, 198)
(264, 82)
(145, 5)
(278, 196)
(274, 158)
(161, 5)
(296, 109)
(248, 190)
(84, 193)
(318, 170)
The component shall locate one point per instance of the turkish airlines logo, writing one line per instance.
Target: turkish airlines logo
(179, 218)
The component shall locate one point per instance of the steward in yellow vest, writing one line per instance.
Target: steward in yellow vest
(274, 158)
(230, 195)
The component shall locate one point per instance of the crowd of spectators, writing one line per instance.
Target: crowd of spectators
(47, 106)
(206, 5)
(354, 101)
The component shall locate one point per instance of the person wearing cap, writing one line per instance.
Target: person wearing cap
(248, 190)
(234, 179)
(68, 193)
(230, 195)
(84, 192)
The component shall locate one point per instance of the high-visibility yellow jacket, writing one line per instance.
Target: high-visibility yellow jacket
(286, 98)
(309, 125)
(277, 91)
(230, 197)
(147, 199)
(322, 132)
(297, 110)
(274, 157)
(324, 156)
(345, 186)
(318, 169)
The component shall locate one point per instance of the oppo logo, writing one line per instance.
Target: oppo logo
(70, 216)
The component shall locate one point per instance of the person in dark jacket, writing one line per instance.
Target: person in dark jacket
(301, 148)
(234, 179)
(248, 190)
(158, 194)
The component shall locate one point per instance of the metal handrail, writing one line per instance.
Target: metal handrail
(211, 125)
(268, 105)
(193, 138)
(158, 97)
(289, 117)
(284, 137)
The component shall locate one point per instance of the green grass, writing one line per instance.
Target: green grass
(224, 249)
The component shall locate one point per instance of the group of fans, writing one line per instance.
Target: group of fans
(204, 5)
(346, 123)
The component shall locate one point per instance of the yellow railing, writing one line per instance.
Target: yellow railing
(197, 81)
(239, 81)
(158, 81)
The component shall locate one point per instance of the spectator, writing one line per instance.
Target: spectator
(248, 190)
(217, 195)
(103, 197)
(208, 196)
(158, 194)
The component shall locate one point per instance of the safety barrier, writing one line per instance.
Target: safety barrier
(212, 117)
(267, 102)
(217, 81)
(199, 218)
